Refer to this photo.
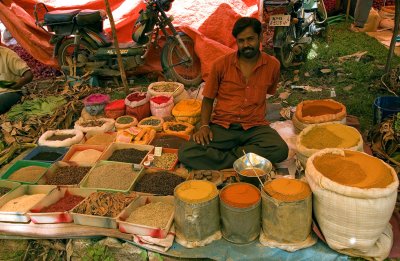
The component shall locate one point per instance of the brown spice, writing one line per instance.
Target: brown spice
(101, 139)
(250, 172)
(165, 161)
(92, 123)
(160, 183)
(69, 175)
(152, 215)
(60, 137)
(168, 141)
(111, 176)
(177, 127)
(287, 190)
(27, 174)
(354, 169)
(128, 155)
(318, 108)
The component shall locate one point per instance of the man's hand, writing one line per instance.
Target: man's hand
(203, 136)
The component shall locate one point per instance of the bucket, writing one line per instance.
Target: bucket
(240, 206)
(384, 107)
(198, 218)
(244, 167)
(284, 221)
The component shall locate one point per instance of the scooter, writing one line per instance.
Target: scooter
(295, 26)
(79, 42)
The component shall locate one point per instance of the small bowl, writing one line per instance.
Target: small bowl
(250, 161)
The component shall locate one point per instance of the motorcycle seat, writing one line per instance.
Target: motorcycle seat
(86, 17)
(276, 2)
(60, 16)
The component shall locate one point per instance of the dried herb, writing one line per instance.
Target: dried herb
(177, 127)
(94, 123)
(124, 120)
(151, 122)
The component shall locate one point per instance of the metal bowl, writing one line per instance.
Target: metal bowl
(249, 161)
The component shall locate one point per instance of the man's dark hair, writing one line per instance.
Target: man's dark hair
(245, 22)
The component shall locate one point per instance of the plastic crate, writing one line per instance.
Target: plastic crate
(40, 149)
(384, 107)
(26, 163)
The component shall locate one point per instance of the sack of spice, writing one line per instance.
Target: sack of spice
(187, 111)
(95, 103)
(125, 122)
(327, 135)
(318, 111)
(153, 122)
(357, 193)
(138, 105)
(94, 126)
(61, 138)
(115, 109)
(178, 128)
(176, 89)
(161, 105)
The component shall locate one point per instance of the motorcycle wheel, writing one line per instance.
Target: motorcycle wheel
(67, 50)
(284, 53)
(172, 57)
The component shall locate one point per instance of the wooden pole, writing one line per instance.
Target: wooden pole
(348, 9)
(119, 58)
(395, 33)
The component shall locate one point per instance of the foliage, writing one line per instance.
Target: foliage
(97, 252)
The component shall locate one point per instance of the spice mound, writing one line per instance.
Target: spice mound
(160, 183)
(354, 169)
(152, 215)
(287, 190)
(331, 136)
(320, 107)
(46, 156)
(168, 141)
(23, 203)
(101, 139)
(196, 191)
(92, 123)
(4, 191)
(111, 176)
(70, 175)
(150, 122)
(60, 137)
(165, 87)
(27, 174)
(165, 161)
(128, 155)
(125, 119)
(88, 156)
(105, 204)
(66, 203)
(177, 127)
(254, 172)
(240, 195)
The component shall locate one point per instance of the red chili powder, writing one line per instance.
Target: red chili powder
(240, 195)
(66, 203)
(160, 99)
(136, 96)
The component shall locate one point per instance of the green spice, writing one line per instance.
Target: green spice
(124, 120)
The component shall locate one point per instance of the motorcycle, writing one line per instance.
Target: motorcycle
(295, 28)
(79, 41)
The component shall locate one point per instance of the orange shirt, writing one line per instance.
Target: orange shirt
(239, 101)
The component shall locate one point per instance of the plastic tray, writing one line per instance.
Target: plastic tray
(9, 184)
(159, 135)
(39, 149)
(80, 147)
(26, 163)
(88, 135)
(18, 192)
(55, 217)
(120, 145)
(95, 221)
(127, 227)
(59, 164)
(164, 150)
(82, 184)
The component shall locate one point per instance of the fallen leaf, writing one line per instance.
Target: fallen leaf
(296, 71)
(312, 89)
(284, 95)
(296, 78)
(6, 126)
(348, 88)
(8, 138)
(325, 71)
(307, 74)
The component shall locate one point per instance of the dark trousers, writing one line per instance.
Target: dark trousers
(228, 145)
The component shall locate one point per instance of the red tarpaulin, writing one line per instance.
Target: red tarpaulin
(207, 22)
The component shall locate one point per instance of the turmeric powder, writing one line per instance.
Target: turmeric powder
(287, 190)
(332, 135)
(354, 169)
(196, 191)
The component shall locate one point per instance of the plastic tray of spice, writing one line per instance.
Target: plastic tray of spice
(15, 204)
(84, 155)
(101, 209)
(167, 160)
(157, 182)
(137, 152)
(66, 174)
(7, 186)
(158, 217)
(173, 141)
(100, 138)
(70, 197)
(27, 172)
(112, 176)
(46, 154)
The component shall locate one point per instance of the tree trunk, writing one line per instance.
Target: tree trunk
(395, 33)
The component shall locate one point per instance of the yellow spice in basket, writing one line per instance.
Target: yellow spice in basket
(287, 189)
(331, 136)
(196, 191)
(354, 169)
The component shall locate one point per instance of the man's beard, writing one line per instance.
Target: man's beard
(248, 52)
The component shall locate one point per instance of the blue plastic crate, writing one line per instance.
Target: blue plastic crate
(40, 149)
(385, 106)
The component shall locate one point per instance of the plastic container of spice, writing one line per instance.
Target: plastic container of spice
(54, 196)
(7, 185)
(84, 160)
(143, 230)
(169, 162)
(46, 154)
(21, 216)
(121, 146)
(51, 173)
(39, 179)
